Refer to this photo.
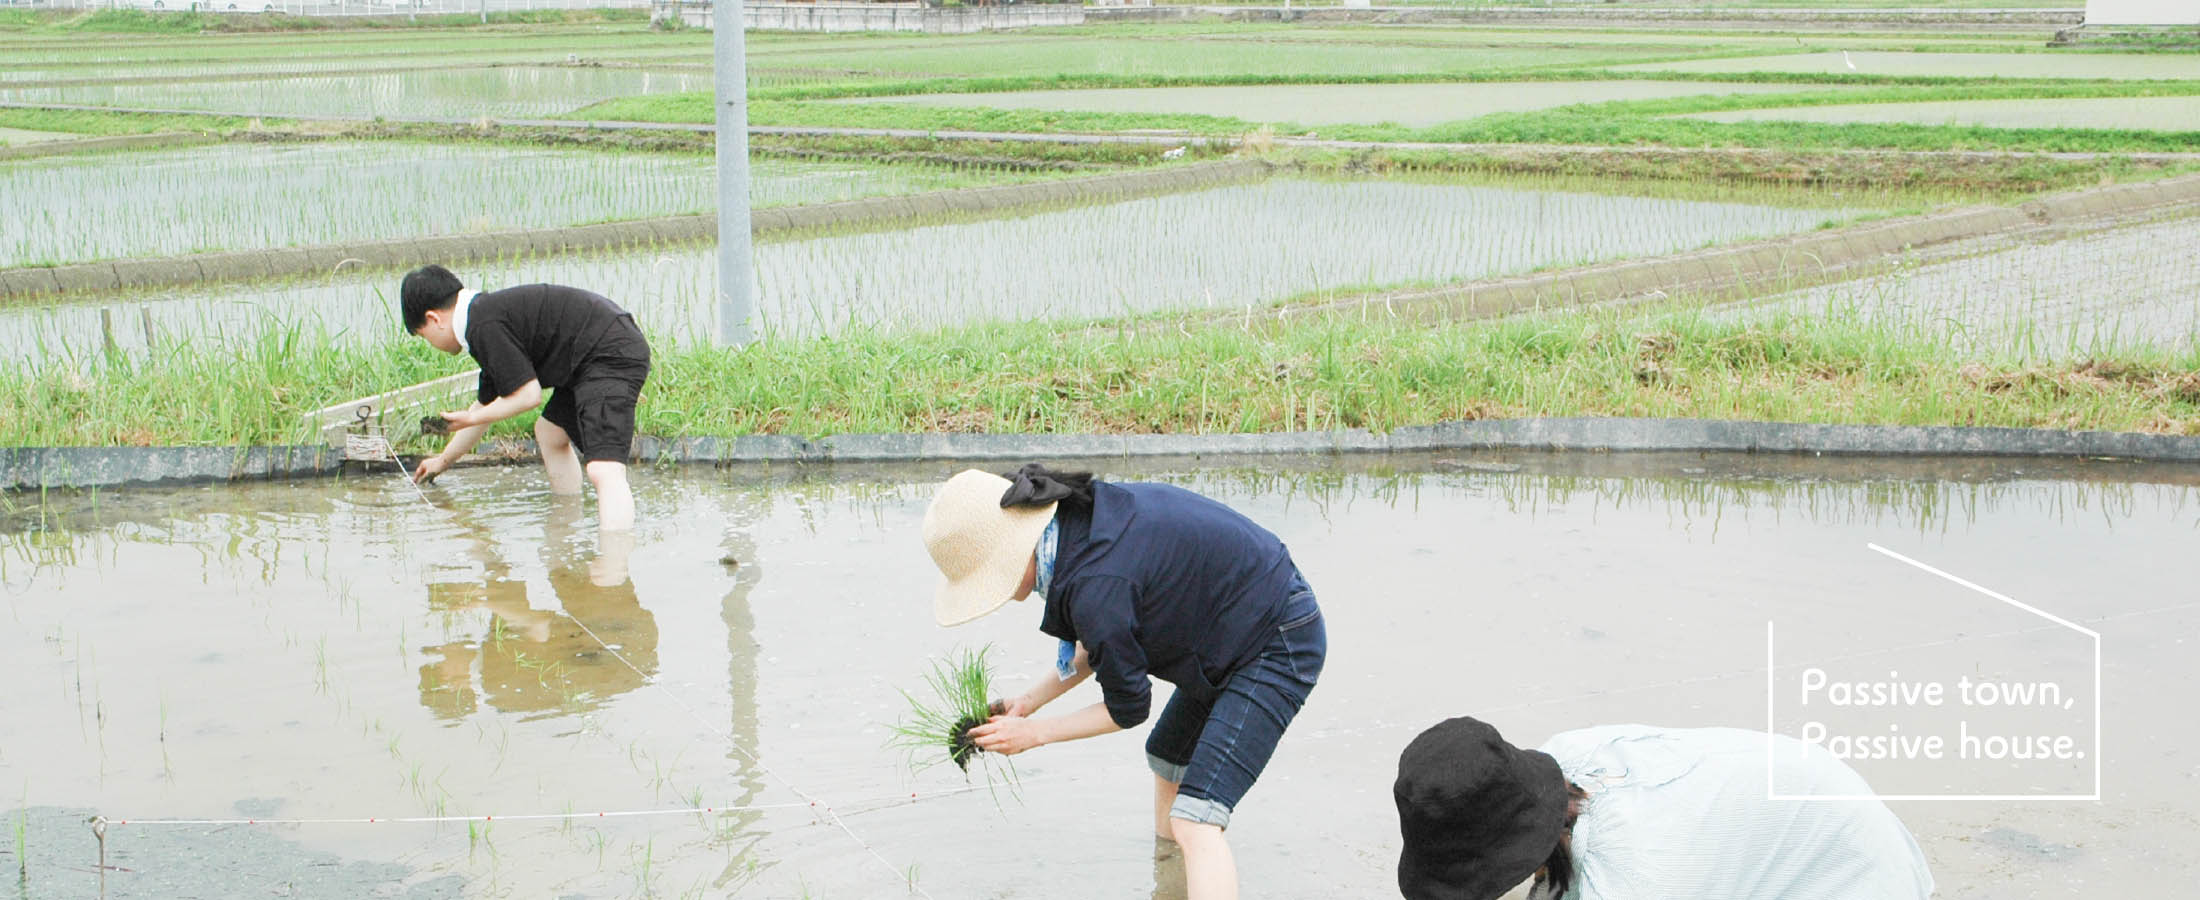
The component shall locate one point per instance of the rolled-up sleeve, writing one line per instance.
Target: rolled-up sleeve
(1104, 612)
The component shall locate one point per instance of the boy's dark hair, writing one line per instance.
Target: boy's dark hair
(425, 288)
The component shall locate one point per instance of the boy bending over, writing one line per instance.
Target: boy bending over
(578, 344)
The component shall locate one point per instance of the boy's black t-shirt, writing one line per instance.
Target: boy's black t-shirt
(540, 332)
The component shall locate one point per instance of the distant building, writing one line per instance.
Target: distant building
(2142, 12)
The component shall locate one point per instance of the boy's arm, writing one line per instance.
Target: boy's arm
(461, 443)
(472, 422)
(527, 397)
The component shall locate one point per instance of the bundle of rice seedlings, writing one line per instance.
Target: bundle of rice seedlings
(960, 698)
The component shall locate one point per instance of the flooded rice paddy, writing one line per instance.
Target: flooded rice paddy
(1326, 104)
(1227, 247)
(252, 196)
(514, 91)
(1957, 65)
(342, 649)
(2056, 295)
(2129, 113)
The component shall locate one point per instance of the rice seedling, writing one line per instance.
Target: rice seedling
(22, 836)
(936, 727)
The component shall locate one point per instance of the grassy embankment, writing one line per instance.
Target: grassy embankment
(1315, 372)
(1635, 122)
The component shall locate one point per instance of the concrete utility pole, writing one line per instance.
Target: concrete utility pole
(736, 276)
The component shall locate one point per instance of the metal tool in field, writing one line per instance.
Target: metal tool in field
(360, 429)
(369, 443)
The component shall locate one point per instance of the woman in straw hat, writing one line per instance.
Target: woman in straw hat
(1139, 581)
(1636, 812)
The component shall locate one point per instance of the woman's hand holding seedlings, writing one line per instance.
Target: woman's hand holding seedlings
(1010, 735)
(1019, 706)
(1007, 735)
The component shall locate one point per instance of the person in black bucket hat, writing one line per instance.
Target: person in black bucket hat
(1639, 812)
(1479, 815)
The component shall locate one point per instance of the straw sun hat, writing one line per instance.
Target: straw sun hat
(981, 548)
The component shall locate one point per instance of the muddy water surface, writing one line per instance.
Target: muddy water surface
(343, 649)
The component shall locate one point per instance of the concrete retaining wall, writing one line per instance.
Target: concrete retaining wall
(83, 467)
(31, 468)
(848, 17)
(407, 252)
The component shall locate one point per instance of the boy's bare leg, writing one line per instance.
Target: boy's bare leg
(559, 459)
(1210, 872)
(1164, 796)
(614, 502)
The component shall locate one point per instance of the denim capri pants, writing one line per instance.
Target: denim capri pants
(1216, 750)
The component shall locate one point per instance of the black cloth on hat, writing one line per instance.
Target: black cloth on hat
(1478, 815)
(1037, 485)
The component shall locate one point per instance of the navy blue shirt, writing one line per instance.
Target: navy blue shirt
(1156, 580)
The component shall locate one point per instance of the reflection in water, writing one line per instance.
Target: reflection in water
(740, 830)
(542, 661)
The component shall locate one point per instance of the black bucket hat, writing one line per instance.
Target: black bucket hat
(1478, 815)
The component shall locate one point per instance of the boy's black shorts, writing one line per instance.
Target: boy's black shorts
(597, 408)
